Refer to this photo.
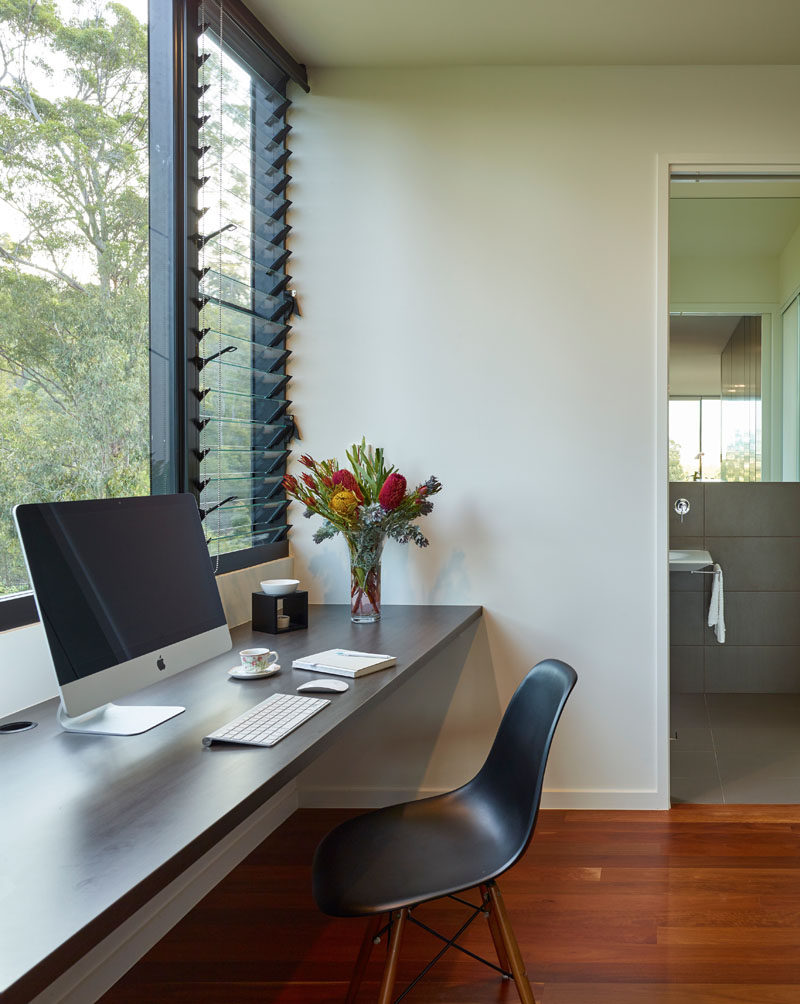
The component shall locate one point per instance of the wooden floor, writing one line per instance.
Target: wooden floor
(699, 905)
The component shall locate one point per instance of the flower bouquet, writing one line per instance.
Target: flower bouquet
(366, 504)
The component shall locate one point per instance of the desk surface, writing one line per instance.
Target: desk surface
(94, 826)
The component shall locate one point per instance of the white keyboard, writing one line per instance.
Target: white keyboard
(268, 722)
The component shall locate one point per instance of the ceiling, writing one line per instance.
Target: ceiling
(726, 228)
(701, 333)
(418, 33)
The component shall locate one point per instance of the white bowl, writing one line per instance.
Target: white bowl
(279, 587)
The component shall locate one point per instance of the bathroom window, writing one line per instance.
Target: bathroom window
(694, 439)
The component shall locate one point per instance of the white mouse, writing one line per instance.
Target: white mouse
(323, 686)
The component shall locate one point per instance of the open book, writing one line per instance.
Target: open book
(344, 662)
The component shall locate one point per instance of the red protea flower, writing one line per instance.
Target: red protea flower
(308, 479)
(345, 479)
(290, 483)
(308, 461)
(393, 492)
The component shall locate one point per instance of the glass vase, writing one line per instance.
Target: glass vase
(365, 580)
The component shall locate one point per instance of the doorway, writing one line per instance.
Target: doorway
(734, 457)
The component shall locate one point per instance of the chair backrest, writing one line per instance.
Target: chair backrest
(510, 781)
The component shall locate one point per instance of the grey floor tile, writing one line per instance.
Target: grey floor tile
(770, 791)
(696, 790)
(689, 739)
(751, 765)
(688, 711)
(700, 764)
(758, 739)
(751, 710)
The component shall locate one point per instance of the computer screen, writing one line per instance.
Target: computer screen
(125, 591)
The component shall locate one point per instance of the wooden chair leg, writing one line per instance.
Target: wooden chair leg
(511, 946)
(363, 958)
(390, 972)
(494, 930)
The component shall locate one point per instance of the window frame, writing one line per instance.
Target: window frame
(171, 42)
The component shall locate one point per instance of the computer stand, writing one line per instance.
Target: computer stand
(117, 719)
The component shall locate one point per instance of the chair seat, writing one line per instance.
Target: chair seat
(405, 854)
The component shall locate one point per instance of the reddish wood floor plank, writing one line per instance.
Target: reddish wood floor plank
(699, 905)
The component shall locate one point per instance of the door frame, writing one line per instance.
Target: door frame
(666, 164)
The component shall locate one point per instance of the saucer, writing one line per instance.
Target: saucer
(237, 673)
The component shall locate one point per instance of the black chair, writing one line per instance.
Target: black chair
(385, 863)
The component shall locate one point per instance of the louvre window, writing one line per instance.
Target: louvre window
(241, 302)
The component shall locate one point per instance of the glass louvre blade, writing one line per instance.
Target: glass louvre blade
(233, 481)
(247, 486)
(260, 536)
(208, 391)
(243, 243)
(237, 213)
(263, 427)
(265, 357)
(268, 187)
(245, 261)
(240, 127)
(258, 502)
(266, 161)
(245, 312)
(238, 293)
(266, 353)
(236, 325)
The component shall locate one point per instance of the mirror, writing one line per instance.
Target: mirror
(734, 357)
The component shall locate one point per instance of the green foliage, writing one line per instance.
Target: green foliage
(676, 469)
(74, 405)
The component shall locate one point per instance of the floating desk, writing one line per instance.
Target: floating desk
(94, 826)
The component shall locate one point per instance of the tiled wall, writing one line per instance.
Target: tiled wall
(753, 531)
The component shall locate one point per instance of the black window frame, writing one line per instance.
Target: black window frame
(172, 33)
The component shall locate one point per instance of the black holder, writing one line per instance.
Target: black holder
(265, 612)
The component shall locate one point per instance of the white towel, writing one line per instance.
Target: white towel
(716, 609)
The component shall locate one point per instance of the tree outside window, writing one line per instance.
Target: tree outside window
(74, 339)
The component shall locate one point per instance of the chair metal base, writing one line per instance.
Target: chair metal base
(506, 948)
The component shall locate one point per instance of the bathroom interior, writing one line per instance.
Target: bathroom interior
(734, 471)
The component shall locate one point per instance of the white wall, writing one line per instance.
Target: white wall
(475, 251)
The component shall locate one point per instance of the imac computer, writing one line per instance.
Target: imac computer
(127, 596)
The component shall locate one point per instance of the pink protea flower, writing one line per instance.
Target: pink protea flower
(393, 492)
(345, 479)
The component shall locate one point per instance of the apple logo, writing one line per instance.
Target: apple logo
(161, 664)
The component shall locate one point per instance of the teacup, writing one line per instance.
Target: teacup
(256, 660)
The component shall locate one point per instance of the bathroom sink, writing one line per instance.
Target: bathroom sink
(688, 561)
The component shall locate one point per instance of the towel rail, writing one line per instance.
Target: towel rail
(701, 571)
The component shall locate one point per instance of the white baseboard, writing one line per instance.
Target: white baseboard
(611, 798)
(90, 977)
(320, 797)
